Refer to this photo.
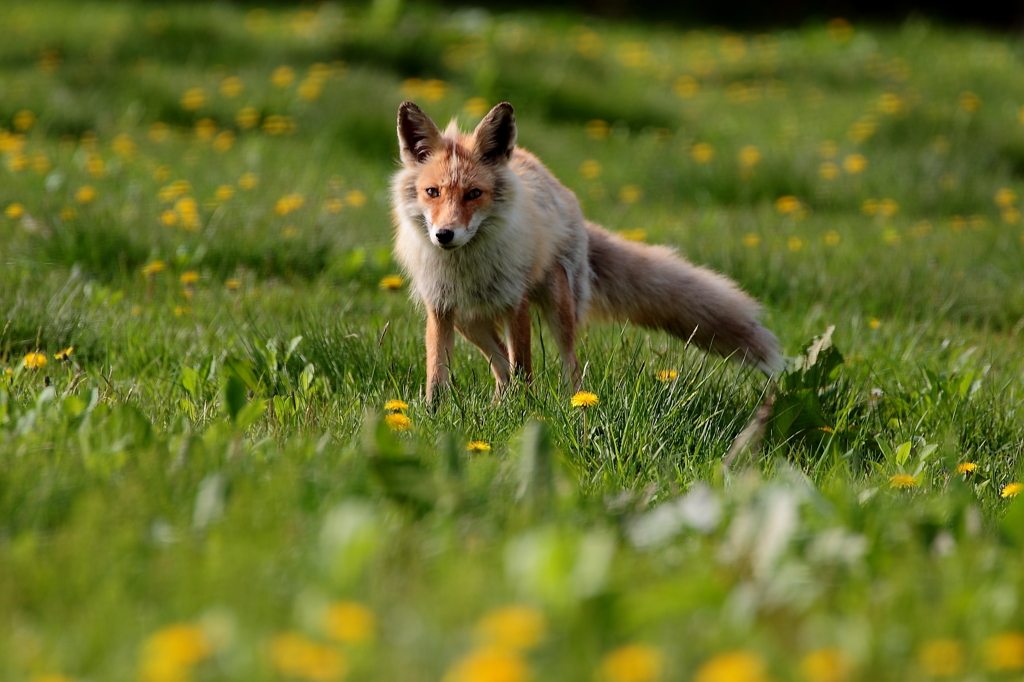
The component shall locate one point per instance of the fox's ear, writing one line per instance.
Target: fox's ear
(418, 136)
(496, 135)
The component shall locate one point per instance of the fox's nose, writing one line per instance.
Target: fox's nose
(445, 236)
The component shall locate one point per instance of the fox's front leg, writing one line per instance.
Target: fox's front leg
(440, 344)
(519, 341)
(481, 333)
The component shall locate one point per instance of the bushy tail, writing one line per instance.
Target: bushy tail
(654, 287)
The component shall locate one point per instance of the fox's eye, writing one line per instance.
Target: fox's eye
(472, 194)
(433, 192)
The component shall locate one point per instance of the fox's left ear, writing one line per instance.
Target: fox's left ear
(496, 134)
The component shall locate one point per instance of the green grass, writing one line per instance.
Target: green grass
(213, 453)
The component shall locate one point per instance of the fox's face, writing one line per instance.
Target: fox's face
(457, 178)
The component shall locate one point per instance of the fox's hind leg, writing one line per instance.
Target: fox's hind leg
(519, 341)
(481, 333)
(560, 313)
(440, 344)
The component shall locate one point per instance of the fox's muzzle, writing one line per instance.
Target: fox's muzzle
(445, 236)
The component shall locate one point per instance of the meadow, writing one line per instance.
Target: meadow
(216, 462)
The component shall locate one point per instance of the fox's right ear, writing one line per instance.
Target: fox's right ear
(418, 136)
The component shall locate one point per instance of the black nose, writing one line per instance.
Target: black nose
(445, 236)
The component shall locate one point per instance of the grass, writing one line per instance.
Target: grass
(195, 202)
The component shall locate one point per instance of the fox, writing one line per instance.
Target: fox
(484, 231)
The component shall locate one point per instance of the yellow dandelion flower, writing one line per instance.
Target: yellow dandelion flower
(248, 181)
(434, 90)
(637, 234)
(702, 152)
(828, 149)
(67, 213)
(476, 107)
(35, 360)
(224, 141)
(489, 664)
(169, 217)
(41, 163)
(224, 192)
(24, 120)
(231, 87)
(630, 194)
(396, 406)
(159, 132)
(966, 468)
(828, 171)
(64, 354)
(584, 399)
(179, 645)
(247, 117)
(1004, 652)
(787, 205)
(289, 203)
(515, 627)
(334, 205)
(355, 198)
(478, 446)
(85, 194)
(1010, 215)
(855, 163)
(282, 76)
(1011, 490)
(941, 657)
(686, 86)
(862, 129)
(749, 156)
(733, 666)
(887, 208)
(598, 129)
(969, 102)
(632, 663)
(957, 223)
(310, 89)
(153, 267)
(1005, 197)
(397, 421)
(890, 236)
(751, 240)
(189, 277)
(391, 283)
(206, 128)
(666, 375)
(874, 323)
(193, 99)
(831, 238)
(794, 244)
(591, 169)
(14, 211)
(902, 481)
(295, 655)
(349, 621)
(233, 283)
(826, 665)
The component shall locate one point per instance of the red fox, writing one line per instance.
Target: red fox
(484, 230)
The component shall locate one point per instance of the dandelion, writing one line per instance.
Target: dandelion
(14, 211)
(890, 236)
(334, 205)
(787, 204)
(247, 117)
(64, 354)
(828, 149)
(749, 156)
(231, 87)
(794, 243)
(733, 666)
(434, 90)
(584, 399)
(391, 282)
(966, 468)
(295, 655)
(24, 120)
(193, 99)
(632, 663)
(85, 194)
(349, 622)
(1004, 652)
(95, 166)
(941, 657)
(153, 267)
(826, 665)
(1010, 215)
(831, 238)
(289, 203)
(475, 107)
(489, 664)
(248, 181)
(169, 217)
(590, 169)
(397, 421)
(890, 103)
(666, 375)
(751, 240)
(224, 192)
(630, 194)
(41, 163)
(1005, 197)
(637, 234)
(902, 481)
(159, 132)
(478, 446)
(172, 652)
(224, 141)
(310, 89)
(233, 283)
(828, 171)
(206, 128)
(957, 223)
(861, 130)
(189, 277)
(874, 323)
(1011, 490)
(597, 129)
(854, 164)
(516, 627)
(887, 208)
(355, 198)
(396, 406)
(686, 86)
(702, 152)
(35, 360)
(67, 213)
(969, 102)
(282, 77)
